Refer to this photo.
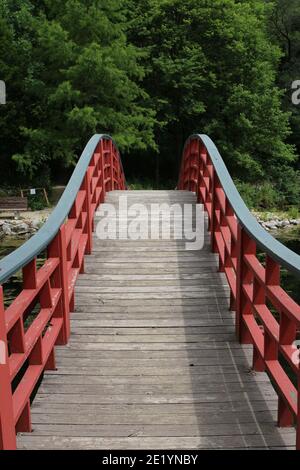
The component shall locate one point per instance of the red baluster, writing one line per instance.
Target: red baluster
(58, 249)
(7, 426)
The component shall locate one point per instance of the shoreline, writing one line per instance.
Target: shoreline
(27, 224)
(277, 224)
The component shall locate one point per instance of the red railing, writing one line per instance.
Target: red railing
(266, 316)
(27, 348)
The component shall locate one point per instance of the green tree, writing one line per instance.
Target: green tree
(212, 68)
(285, 29)
(72, 74)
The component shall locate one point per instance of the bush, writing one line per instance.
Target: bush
(267, 196)
(293, 213)
(258, 196)
(140, 184)
(37, 202)
(288, 186)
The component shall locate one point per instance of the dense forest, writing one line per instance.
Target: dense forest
(151, 72)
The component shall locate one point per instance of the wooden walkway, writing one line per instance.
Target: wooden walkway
(153, 361)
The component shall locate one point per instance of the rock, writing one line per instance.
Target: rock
(20, 228)
(36, 224)
(6, 229)
(295, 221)
(271, 225)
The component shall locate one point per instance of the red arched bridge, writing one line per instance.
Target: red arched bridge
(141, 343)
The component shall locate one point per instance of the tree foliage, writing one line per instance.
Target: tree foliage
(150, 73)
(285, 30)
(73, 74)
(212, 68)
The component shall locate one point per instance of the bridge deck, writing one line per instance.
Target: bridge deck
(152, 360)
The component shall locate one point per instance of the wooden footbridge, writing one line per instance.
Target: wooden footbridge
(143, 344)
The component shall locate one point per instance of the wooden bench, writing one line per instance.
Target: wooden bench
(13, 204)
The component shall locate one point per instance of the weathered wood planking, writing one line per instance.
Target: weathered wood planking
(153, 361)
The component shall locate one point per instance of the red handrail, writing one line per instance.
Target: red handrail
(26, 353)
(254, 286)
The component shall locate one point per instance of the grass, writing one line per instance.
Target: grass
(266, 215)
(139, 184)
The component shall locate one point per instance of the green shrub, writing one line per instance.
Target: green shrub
(138, 184)
(248, 193)
(37, 202)
(258, 196)
(293, 212)
(267, 196)
(287, 184)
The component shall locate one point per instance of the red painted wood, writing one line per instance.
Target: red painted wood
(256, 292)
(58, 250)
(88, 209)
(51, 289)
(7, 425)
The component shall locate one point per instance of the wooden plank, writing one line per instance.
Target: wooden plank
(138, 296)
(152, 361)
(90, 379)
(156, 389)
(155, 303)
(239, 412)
(174, 430)
(99, 415)
(154, 323)
(135, 285)
(13, 204)
(180, 355)
(212, 442)
(189, 307)
(148, 371)
(183, 332)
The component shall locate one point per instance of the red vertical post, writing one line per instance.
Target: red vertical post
(244, 245)
(198, 195)
(239, 287)
(190, 166)
(88, 209)
(229, 213)
(287, 334)
(24, 421)
(29, 275)
(7, 424)
(259, 298)
(112, 164)
(102, 176)
(118, 170)
(50, 363)
(58, 249)
(211, 226)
